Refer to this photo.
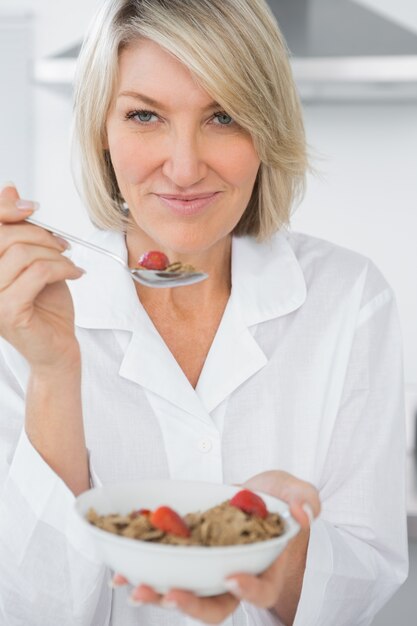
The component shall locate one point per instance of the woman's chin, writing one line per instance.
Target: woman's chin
(188, 244)
(178, 240)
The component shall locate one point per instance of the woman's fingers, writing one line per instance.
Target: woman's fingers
(303, 512)
(259, 590)
(19, 256)
(8, 196)
(144, 594)
(118, 581)
(12, 207)
(18, 232)
(12, 234)
(212, 610)
(16, 302)
(36, 309)
(297, 493)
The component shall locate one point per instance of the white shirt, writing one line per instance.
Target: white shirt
(304, 375)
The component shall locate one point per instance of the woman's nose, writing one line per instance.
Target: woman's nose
(185, 165)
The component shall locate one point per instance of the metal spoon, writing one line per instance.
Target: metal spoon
(149, 278)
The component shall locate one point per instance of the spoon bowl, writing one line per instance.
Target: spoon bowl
(161, 278)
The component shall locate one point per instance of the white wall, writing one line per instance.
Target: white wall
(16, 101)
(57, 25)
(403, 12)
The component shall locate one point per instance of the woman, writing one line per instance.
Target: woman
(281, 371)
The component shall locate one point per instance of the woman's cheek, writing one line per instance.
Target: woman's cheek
(240, 160)
(132, 162)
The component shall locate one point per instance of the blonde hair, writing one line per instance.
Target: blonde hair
(236, 52)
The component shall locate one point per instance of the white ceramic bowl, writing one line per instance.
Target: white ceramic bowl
(196, 568)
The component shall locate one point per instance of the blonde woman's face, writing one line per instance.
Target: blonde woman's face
(185, 168)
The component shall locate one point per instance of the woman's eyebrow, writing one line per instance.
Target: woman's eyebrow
(154, 103)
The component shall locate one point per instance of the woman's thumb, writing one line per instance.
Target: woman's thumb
(9, 191)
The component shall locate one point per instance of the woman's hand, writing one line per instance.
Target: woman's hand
(277, 588)
(36, 311)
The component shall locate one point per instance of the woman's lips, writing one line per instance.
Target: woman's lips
(192, 206)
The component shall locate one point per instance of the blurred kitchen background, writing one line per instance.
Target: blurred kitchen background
(355, 62)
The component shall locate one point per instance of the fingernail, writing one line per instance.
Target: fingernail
(309, 512)
(80, 269)
(169, 604)
(117, 581)
(233, 586)
(27, 205)
(63, 242)
(8, 183)
(133, 602)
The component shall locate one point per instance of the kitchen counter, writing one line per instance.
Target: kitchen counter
(412, 496)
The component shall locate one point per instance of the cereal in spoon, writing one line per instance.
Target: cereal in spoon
(156, 260)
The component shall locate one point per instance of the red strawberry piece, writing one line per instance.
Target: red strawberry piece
(144, 511)
(139, 512)
(154, 260)
(166, 519)
(249, 502)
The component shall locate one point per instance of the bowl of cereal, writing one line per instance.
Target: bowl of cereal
(184, 534)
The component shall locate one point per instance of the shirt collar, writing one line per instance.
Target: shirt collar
(267, 282)
(105, 297)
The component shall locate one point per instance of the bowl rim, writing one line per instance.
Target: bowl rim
(292, 526)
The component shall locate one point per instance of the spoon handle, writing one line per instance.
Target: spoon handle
(74, 239)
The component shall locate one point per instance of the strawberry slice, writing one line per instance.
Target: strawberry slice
(135, 514)
(249, 502)
(154, 260)
(166, 519)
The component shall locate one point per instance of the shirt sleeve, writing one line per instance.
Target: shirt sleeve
(357, 556)
(49, 574)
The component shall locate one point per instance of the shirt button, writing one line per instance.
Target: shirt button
(204, 445)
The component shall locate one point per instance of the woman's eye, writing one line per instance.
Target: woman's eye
(143, 117)
(223, 119)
